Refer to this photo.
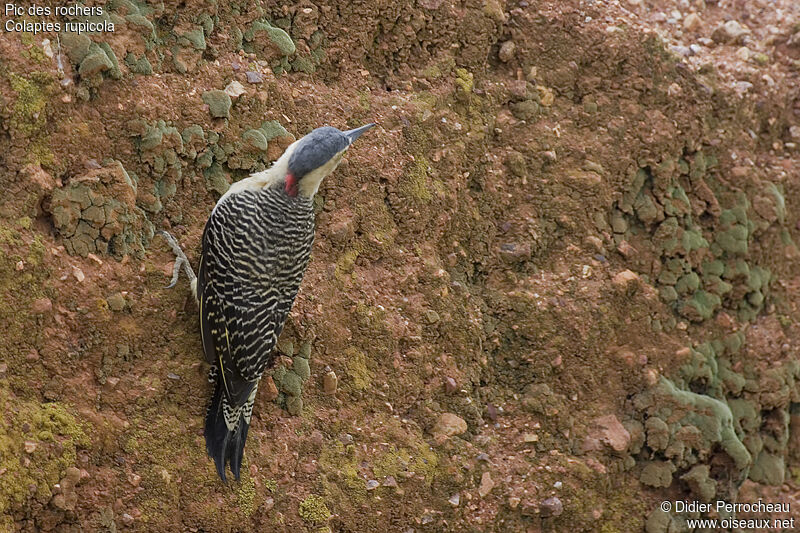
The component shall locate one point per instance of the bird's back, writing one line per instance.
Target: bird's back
(256, 247)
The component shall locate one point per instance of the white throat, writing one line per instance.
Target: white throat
(308, 185)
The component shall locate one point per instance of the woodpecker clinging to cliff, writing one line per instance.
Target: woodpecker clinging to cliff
(256, 247)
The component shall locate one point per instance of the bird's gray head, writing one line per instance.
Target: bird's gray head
(315, 156)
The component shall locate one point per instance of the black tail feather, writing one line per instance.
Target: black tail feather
(224, 446)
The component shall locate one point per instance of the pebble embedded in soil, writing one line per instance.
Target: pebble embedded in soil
(330, 382)
(729, 32)
(507, 50)
(692, 22)
(551, 507)
(449, 425)
(42, 305)
(116, 302)
(254, 77)
(235, 89)
(487, 484)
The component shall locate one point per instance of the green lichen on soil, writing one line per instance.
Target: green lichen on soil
(341, 480)
(162, 451)
(55, 435)
(314, 510)
(19, 288)
(587, 491)
(420, 459)
(345, 263)
(246, 494)
(359, 375)
(29, 113)
(32, 50)
(415, 184)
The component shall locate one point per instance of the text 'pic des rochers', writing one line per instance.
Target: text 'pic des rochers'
(35, 27)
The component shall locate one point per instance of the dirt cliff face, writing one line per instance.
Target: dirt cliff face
(556, 286)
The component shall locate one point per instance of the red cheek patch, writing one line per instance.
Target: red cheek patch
(291, 185)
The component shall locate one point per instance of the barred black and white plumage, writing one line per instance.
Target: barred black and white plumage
(255, 249)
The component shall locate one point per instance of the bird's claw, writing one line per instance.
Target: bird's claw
(180, 259)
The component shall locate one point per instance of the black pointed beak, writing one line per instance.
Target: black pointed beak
(352, 135)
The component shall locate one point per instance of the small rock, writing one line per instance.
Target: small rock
(450, 385)
(513, 501)
(134, 479)
(626, 250)
(30, 446)
(595, 242)
(390, 481)
(254, 77)
(330, 382)
(625, 280)
(695, 48)
(507, 50)
(609, 430)
(78, 273)
(455, 499)
(491, 411)
(546, 96)
(742, 87)
(483, 457)
(487, 484)
(127, 519)
(528, 438)
(73, 474)
(20, 265)
(449, 425)
(515, 253)
(518, 89)
(32, 355)
(729, 32)
(271, 388)
(692, 22)
(235, 89)
(42, 305)
(743, 53)
(551, 507)
(269, 503)
(372, 484)
(116, 302)
(431, 316)
(682, 51)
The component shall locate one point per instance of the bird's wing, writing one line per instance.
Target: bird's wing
(239, 325)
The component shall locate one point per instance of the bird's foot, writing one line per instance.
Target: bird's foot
(180, 260)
